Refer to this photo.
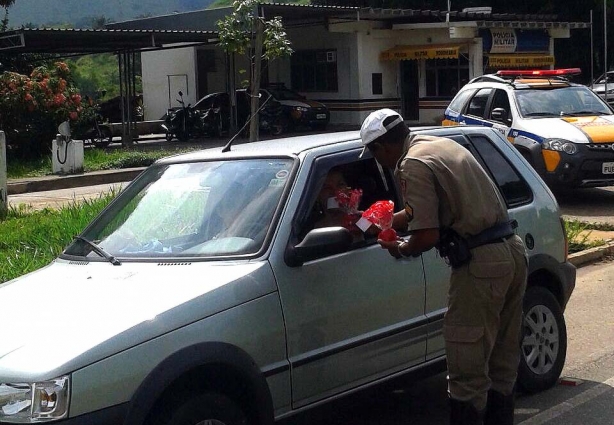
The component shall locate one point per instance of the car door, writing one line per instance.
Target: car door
(355, 316)
(518, 197)
(499, 112)
(475, 112)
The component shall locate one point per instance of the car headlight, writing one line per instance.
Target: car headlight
(301, 108)
(560, 145)
(25, 403)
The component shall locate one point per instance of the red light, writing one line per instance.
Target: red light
(539, 73)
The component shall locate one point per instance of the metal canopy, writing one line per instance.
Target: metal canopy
(89, 41)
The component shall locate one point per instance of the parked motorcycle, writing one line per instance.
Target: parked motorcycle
(270, 115)
(95, 132)
(186, 122)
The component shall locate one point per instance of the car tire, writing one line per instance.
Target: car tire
(543, 345)
(201, 409)
(169, 137)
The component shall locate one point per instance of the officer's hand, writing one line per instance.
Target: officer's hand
(391, 246)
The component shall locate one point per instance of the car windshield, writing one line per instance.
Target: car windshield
(602, 79)
(282, 93)
(198, 209)
(562, 101)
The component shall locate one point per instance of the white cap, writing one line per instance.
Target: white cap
(373, 126)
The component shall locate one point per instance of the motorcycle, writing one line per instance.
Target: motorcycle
(186, 122)
(271, 118)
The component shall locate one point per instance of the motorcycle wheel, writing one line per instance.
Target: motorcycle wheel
(182, 136)
(169, 137)
(103, 138)
(217, 127)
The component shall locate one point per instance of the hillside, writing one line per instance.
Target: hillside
(79, 13)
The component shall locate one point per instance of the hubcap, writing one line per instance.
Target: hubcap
(540, 343)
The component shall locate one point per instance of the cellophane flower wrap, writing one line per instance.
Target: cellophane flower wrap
(348, 200)
(380, 214)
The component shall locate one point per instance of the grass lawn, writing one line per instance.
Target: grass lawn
(94, 160)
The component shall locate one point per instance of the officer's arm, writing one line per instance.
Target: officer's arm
(399, 221)
(419, 241)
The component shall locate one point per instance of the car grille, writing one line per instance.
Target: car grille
(600, 146)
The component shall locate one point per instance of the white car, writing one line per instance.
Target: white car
(205, 293)
(599, 86)
(564, 130)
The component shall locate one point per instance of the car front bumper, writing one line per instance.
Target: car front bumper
(583, 169)
(110, 416)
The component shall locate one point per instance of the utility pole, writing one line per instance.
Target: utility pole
(3, 188)
(254, 125)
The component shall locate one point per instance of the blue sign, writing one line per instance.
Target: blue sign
(510, 40)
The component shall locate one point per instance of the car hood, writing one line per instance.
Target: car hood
(65, 316)
(305, 103)
(586, 129)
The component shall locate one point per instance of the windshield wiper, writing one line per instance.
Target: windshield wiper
(541, 114)
(567, 114)
(98, 250)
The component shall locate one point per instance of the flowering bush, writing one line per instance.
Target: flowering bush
(31, 107)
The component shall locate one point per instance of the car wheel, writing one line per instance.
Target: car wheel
(169, 137)
(217, 127)
(544, 341)
(202, 409)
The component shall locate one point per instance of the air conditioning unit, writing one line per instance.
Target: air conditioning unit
(482, 9)
(331, 56)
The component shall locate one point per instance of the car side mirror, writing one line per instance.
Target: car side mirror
(501, 115)
(319, 243)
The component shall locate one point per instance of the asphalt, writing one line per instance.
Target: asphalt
(34, 185)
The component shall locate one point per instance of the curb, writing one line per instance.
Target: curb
(42, 184)
(589, 256)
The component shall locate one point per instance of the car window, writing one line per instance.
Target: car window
(459, 101)
(329, 174)
(561, 101)
(514, 189)
(477, 105)
(200, 209)
(500, 100)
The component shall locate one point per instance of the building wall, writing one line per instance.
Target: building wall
(164, 72)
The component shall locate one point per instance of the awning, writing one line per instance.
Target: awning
(430, 51)
(519, 61)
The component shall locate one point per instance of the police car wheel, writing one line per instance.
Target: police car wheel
(543, 345)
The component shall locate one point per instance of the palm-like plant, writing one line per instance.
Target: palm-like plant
(5, 21)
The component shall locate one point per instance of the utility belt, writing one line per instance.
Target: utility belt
(457, 250)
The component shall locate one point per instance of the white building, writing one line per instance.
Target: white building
(356, 60)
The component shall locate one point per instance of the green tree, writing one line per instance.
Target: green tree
(4, 24)
(247, 33)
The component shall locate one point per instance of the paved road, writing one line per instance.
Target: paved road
(590, 205)
(62, 197)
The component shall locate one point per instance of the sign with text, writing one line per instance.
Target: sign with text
(504, 40)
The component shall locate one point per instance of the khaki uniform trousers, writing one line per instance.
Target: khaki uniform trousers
(483, 323)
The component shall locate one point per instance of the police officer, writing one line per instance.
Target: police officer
(451, 203)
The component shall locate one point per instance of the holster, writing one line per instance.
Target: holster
(453, 247)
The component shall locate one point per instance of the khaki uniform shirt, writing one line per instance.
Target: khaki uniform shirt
(443, 185)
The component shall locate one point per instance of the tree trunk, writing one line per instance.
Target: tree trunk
(255, 100)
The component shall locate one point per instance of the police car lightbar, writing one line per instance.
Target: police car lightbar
(539, 72)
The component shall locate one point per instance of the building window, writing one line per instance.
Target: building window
(444, 77)
(376, 83)
(314, 70)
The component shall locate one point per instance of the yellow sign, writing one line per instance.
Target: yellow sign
(520, 61)
(420, 52)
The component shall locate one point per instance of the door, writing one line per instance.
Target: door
(499, 112)
(410, 94)
(177, 83)
(356, 316)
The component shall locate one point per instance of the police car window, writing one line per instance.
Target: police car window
(513, 187)
(460, 99)
(477, 105)
(500, 100)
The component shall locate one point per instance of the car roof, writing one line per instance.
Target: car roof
(289, 146)
(519, 83)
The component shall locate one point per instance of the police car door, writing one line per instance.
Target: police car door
(353, 316)
(499, 113)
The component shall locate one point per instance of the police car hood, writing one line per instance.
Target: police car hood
(580, 129)
(67, 315)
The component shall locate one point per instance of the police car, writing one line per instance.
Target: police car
(564, 130)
